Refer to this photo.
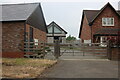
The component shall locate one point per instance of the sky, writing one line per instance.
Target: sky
(66, 13)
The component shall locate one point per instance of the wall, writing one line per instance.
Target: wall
(63, 39)
(12, 39)
(40, 35)
(49, 39)
(86, 30)
(115, 53)
(37, 34)
(57, 34)
(87, 41)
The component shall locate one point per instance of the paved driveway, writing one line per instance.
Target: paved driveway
(83, 69)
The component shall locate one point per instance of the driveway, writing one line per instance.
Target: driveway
(83, 68)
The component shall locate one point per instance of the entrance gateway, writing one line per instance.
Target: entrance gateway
(79, 51)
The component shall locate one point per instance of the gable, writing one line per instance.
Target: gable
(93, 14)
(109, 9)
(56, 28)
(36, 19)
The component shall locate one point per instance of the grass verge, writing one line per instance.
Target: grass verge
(24, 68)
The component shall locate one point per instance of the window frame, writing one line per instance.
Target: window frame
(107, 20)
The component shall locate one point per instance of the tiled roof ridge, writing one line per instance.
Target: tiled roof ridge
(18, 4)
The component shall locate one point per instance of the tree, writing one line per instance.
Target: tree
(71, 38)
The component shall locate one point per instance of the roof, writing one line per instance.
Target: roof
(57, 25)
(29, 12)
(13, 12)
(107, 31)
(91, 15)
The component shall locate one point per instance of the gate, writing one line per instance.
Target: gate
(67, 51)
(84, 50)
(79, 51)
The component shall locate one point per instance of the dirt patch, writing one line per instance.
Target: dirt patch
(24, 68)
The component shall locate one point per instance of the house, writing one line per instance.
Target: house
(21, 23)
(99, 26)
(55, 32)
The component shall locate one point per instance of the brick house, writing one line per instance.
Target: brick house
(55, 32)
(21, 23)
(99, 26)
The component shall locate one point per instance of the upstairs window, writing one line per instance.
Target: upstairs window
(107, 21)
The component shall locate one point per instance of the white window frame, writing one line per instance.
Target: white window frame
(106, 20)
(36, 41)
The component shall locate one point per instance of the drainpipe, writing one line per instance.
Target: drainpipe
(24, 36)
(91, 34)
(24, 30)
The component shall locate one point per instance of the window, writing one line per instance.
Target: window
(107, 21)
(31, 34)
(103, 40)
(36, 41)
(25, 36)
(56, 30)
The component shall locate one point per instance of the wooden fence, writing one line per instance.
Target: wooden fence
(87, 49)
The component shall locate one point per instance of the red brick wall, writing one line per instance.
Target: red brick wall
(12, 39)
(40, 35)
(37, 33)
(107, 12)
(86, 30)
(115, 53)
(13, 54)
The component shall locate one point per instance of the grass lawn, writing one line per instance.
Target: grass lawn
(24, 68)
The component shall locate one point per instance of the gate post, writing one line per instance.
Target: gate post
(57, 49)
(109, 52)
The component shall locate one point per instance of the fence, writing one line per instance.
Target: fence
(103, 50)
(34, 50)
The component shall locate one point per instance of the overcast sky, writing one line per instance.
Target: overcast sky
(66, 13)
